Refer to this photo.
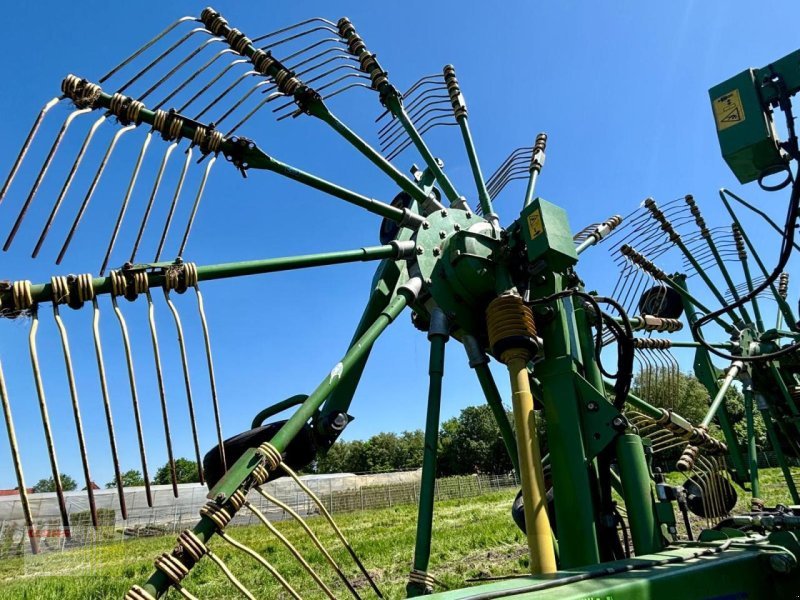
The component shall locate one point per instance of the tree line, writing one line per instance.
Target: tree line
(471, 442)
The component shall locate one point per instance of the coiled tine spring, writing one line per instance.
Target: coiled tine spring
(63, 294)
(40, 394)
(119, 287)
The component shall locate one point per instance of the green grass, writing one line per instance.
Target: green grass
(473, 537)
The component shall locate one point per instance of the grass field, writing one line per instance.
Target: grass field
(473, 537)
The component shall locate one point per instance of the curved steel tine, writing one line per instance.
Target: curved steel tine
(211, 378)
(442, 118)
(156, 184)
(413, 114)
(125, 200)
(296, 36)
(334, 70)
(15, 458)
(422, 130)
(147, 46)
(327, 61)
(48, 431)
(67, 184)
(187, 383)
(448, 112)
(240, 101)
(293, 26)
(195, 74)
(161, 57)
(181, 64)
(36, 184)
(112, 438)
(27, 144)
(510, 168)
(219, 97)
(246, 117)
(213, 80)
(339, 47)
(76, 410)
(174, 203)
(417, 103)
(506, 164)
(196, 205)
(162, 394)
(357, 75)
(511, 175)
(422, 80)
(344, 89)
(126, 343)
(90, 192)
(310, 59)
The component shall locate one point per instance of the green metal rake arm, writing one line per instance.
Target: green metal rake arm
(43, 292)
(159, 583)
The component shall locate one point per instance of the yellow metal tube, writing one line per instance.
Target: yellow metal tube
(534, 496)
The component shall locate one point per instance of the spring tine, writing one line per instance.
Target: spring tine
(12, 442)
(187, 383)
(320, 54)
(162, 394)
(339, 47)
(156, 184)
(266, 36)
(213, 80)
(196, 205)
(247, 117)
(239, 102)
(73, 392)
(425, 128)
(145, 47)
(48, 432)
(27, 144)
(356, 75)
(134, 397)
(90, 192)
(101, 370)
(67, 184)
(350, 86)
(296, 36)
(211, 378)
(414, 107)
(195, 74)
(174, 203)
(422, 110)
(125, 201)
(177, 67)
(236, 82)
(72, 116)
(161, 57)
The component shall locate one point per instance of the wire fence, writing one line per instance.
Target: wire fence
(339, 494)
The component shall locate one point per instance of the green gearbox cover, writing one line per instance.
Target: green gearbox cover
(547, 234)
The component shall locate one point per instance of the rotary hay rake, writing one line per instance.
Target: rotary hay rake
(512, 293)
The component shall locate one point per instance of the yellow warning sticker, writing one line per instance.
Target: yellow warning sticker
(728, 110)
(535, 226)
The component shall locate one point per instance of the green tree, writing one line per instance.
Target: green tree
(68, 484)
(471, 443)
(132, 478)
(185, 471)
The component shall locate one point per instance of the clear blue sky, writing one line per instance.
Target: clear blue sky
(620, 88)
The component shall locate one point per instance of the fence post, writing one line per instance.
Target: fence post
(479, 485)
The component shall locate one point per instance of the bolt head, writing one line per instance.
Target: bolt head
(442, 235)
(426, 225)
(469, 215)
(443, 212)
(593, 406)
(420, 250)
(457, 227)
(437, 251)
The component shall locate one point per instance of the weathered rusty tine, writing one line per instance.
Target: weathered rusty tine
(90, 192)
(12, 442)
(101, 371)
(125, 201)
(211, 378)
(134, 397)
(156, 185)
(45, 166)
(61, 294)
(186, 381)
(162, 394)
(48, 432)
(196, 205)
(174, 204)
(67, 184)
(27, 144)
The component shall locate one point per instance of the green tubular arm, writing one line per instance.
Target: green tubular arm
(43, 292)
(782, 304)
(159, 583)
(472, 154)
(388, 276)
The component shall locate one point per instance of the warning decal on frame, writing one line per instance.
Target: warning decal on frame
(535, 226)
(728, 110)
